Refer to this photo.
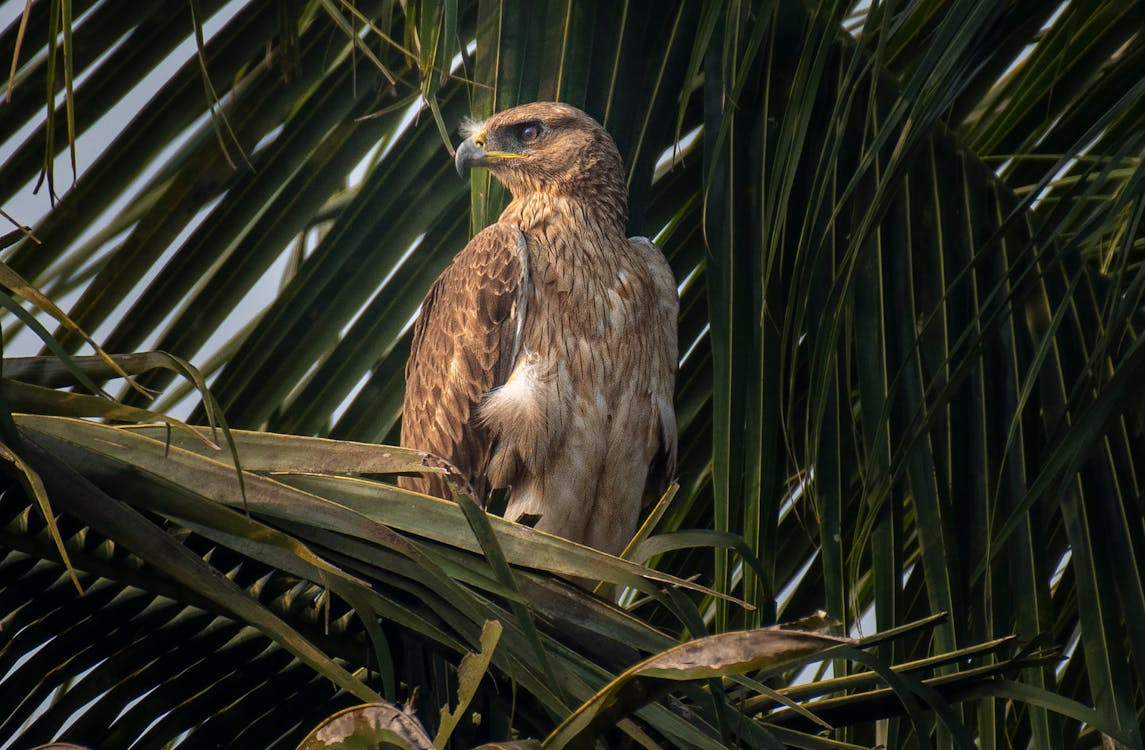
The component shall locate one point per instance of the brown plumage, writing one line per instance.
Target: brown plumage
(544, 358)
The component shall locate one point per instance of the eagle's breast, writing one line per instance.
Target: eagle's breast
(544, 357)
(578, 420)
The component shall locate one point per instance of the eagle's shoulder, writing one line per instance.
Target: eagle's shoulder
(488, 277)
(662, 278)
(464, 343)
(664, 364)
(497, 253)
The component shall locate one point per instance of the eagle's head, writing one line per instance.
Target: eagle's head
(549, 148)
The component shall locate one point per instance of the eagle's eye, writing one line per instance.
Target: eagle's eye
(530, 132)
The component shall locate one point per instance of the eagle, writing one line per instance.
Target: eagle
(544, 357)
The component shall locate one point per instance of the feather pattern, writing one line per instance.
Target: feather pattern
(545, 356)
(470, 127)
(464, 343)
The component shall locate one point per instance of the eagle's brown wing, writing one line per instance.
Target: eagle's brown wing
(663, 364)
(464, 344)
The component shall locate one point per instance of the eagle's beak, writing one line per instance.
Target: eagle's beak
(472, 153)
(469, 154)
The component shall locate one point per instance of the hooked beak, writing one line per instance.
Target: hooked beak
(469, 154)
(472, 153)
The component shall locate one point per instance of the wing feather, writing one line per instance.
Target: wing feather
(465, 343)
(664, 362)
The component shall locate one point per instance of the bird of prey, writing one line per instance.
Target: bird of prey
(544, 357)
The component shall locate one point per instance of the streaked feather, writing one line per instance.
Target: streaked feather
(544, 358)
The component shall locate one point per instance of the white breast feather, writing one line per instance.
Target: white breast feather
(519, 405)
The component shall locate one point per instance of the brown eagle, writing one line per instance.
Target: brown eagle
(544, 357)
